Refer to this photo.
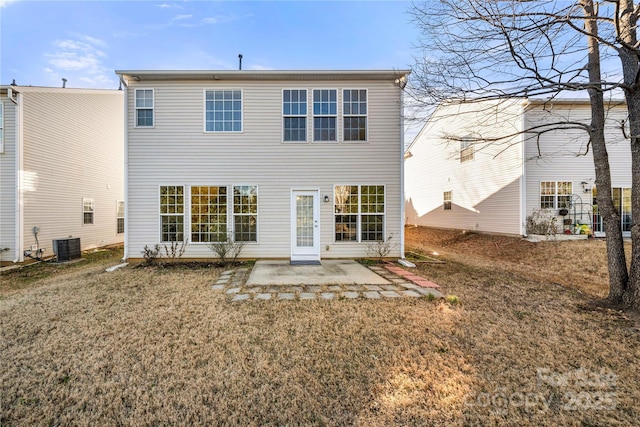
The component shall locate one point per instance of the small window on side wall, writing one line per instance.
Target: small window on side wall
(88, 210)
(447, 196)
(120, 217)
(144, 108)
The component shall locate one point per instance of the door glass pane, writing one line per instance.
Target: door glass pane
(304, 221)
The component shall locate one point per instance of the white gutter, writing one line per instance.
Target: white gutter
(523, 173)
(126, 169)
(19, 165)
(401, 173)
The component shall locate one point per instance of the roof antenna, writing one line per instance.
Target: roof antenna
(64, 82)
(240, 62)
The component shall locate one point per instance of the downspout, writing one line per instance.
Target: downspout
(523, 173)
(402, 210)
(19, 165)
(126, 169)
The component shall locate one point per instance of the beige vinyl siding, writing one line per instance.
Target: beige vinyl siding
(178, 152)
(485, 190)
(73, 149)
(7, 182)
(554, 157)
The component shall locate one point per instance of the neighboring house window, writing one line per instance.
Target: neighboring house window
(294, 112)
(88, 209)
(172, 213)
(223, 111)
(325, 110)
(120, 216)
(447, 198)
(245, 213)
(555, 194)
(359, 212)
(354, 103)
(1, 127)
(467, 150)
(208, 214)
(144, 108)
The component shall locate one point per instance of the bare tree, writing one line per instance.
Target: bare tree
(478, 50)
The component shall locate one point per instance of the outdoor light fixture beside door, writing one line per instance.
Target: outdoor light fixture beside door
(326, 198)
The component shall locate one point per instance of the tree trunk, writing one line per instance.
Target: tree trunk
(618, 277)
(628, 52)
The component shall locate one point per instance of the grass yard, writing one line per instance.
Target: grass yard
(153, 346)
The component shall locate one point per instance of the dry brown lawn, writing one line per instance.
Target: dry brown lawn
(153, 346)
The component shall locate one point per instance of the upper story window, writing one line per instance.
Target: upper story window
(88, 209)
(354, 103)
(144, 107)
(223, 111)
(325, 111)
(1, 127)
(555, 194)
(467, 150)
(446, 200)
(294, 113)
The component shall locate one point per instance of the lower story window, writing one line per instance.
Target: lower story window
(172, 213)
(555, 194)
(208, 214)
(120, 216)
(88, 209)
(359, 213)
(245, 213)
(446, 200)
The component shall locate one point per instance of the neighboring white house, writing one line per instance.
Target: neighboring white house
(297, 164)
(473, 167)
(61, 169)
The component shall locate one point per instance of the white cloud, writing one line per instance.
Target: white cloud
(5, 3)
(181, 17)
(168, 6)
(79, 60)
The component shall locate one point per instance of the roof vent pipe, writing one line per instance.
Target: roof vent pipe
(240, 62)
(64, 82)
(13, 83)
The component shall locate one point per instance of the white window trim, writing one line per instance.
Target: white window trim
(232, 226)
(186, 199)
(92, 212)
(337, 117)
(466, 144)
(204, 112)
(119, 217)
(555, 195)
(189, 206)
(444, 200)
(306, 115)
(354, 115)
(359, 215)
(136, 108)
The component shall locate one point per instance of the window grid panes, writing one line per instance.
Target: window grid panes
(88, 209)
(555, 195)
(304, 221)
(208, 214)
(172, 213)
(144, 107)
(325, 110)
(359, 213)
(447, 197)
(466, 151)
(120, 217)
(245, 213)
(355, 114)
(294, 111)
(223, 111)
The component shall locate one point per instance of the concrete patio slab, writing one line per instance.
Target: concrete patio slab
(331, 272)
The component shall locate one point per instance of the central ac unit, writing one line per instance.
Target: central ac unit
(66, 249)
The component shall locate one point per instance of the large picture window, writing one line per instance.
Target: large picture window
(245, 213)
(555, 194)
(223, 111)
(144, 107)
(325, 110)
(294, 112)
(172, 213)
(359, 212)
(208, 214)
(354, 110)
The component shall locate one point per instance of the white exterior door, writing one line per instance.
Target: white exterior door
(305, 226)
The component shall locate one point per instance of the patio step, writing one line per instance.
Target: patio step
(418, 280)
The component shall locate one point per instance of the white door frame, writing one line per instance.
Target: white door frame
(305, 253)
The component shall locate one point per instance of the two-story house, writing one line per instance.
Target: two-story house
(296, 164)
(495, 166)
(61, 170)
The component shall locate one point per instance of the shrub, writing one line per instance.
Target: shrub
(176, 250)
(540, 222)
(150, 254)
(381, 249)
(227, 251)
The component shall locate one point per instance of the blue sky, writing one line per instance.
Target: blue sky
(85, 41)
